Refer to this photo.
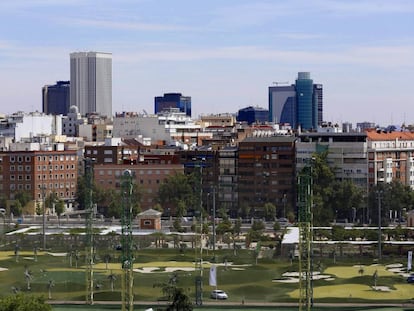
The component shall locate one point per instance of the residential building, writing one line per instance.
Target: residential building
(266, 173)
(204, 163)
(39, 173)
(71, 122)
(300, 104)
(228, 192)
(390, 157)
(91, 82)
(56, 98)
(347, 154)
(148, 177)
(173, 100)
(22, 125)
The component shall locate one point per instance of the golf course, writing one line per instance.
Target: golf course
(248, 281)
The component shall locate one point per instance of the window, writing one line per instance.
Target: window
(147, 222)
(27, 159)
(28, 168)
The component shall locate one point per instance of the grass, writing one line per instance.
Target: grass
(249, 282)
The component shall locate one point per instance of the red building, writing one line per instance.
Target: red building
(38, 173)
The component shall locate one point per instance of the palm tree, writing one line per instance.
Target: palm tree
(107, 259)
(49, 288)
(28, 277)
(112, 279)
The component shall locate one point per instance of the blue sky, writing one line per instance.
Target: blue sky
(222, 53)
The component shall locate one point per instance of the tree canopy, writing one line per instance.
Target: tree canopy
(23, 302)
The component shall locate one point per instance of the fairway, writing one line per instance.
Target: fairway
(239, 276)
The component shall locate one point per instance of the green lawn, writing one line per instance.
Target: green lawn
(243, 279)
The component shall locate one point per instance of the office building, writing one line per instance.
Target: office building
(299, 104)
(172, 100)
(56, 98)
(253, 115)
(91, 82)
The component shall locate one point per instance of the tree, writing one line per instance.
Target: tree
(112, 279)
(176, 193)
(28, 276)
(269, 210)
(50, 285)
(23, 197)
(180, 301)
(59, 209)
(21, 302)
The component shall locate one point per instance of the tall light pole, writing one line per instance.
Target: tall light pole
(379, 197)
(214, 220)
(44, 215)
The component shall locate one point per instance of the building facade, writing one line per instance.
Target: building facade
(173, 100)
(390, 157)
(266, 173)
(56, 98)
(148, 178)
(39, 173)
(347, 154)
(91, 82)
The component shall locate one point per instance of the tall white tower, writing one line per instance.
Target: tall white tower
(91, 82)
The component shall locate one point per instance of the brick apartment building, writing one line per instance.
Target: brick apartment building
(38, 173)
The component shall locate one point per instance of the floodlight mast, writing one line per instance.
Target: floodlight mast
(305, 223)
(89, 243)
(127, 243)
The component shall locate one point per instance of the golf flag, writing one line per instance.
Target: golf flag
(213, 276)
(410, 260)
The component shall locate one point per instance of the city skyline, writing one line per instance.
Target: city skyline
(224, 54)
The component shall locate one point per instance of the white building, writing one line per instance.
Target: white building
(28, 125)
(71, 122)
(164, 127)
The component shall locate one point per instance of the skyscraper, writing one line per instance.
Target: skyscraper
(299, 104)
(91, 82)
(56, 98)
(173, 100)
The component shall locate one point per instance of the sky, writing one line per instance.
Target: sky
(223, 53)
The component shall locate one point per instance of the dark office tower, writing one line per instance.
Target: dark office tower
(173, 100)
(56, 98)
(252, 115)
(91, 82)
(299, 104)
(318, 100)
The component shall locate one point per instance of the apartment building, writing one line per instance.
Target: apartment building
(390, 157)
(39, 173)
(347, 154)
(148, 177)
(266, 172)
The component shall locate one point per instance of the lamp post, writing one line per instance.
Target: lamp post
(379, 197)
(284, 200)
(214, 220)
(44, 215)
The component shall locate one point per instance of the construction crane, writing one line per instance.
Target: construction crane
(305, 223)
(89, 242)
(127, 258)
(279, 83)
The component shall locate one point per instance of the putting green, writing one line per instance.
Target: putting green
(347, 272)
